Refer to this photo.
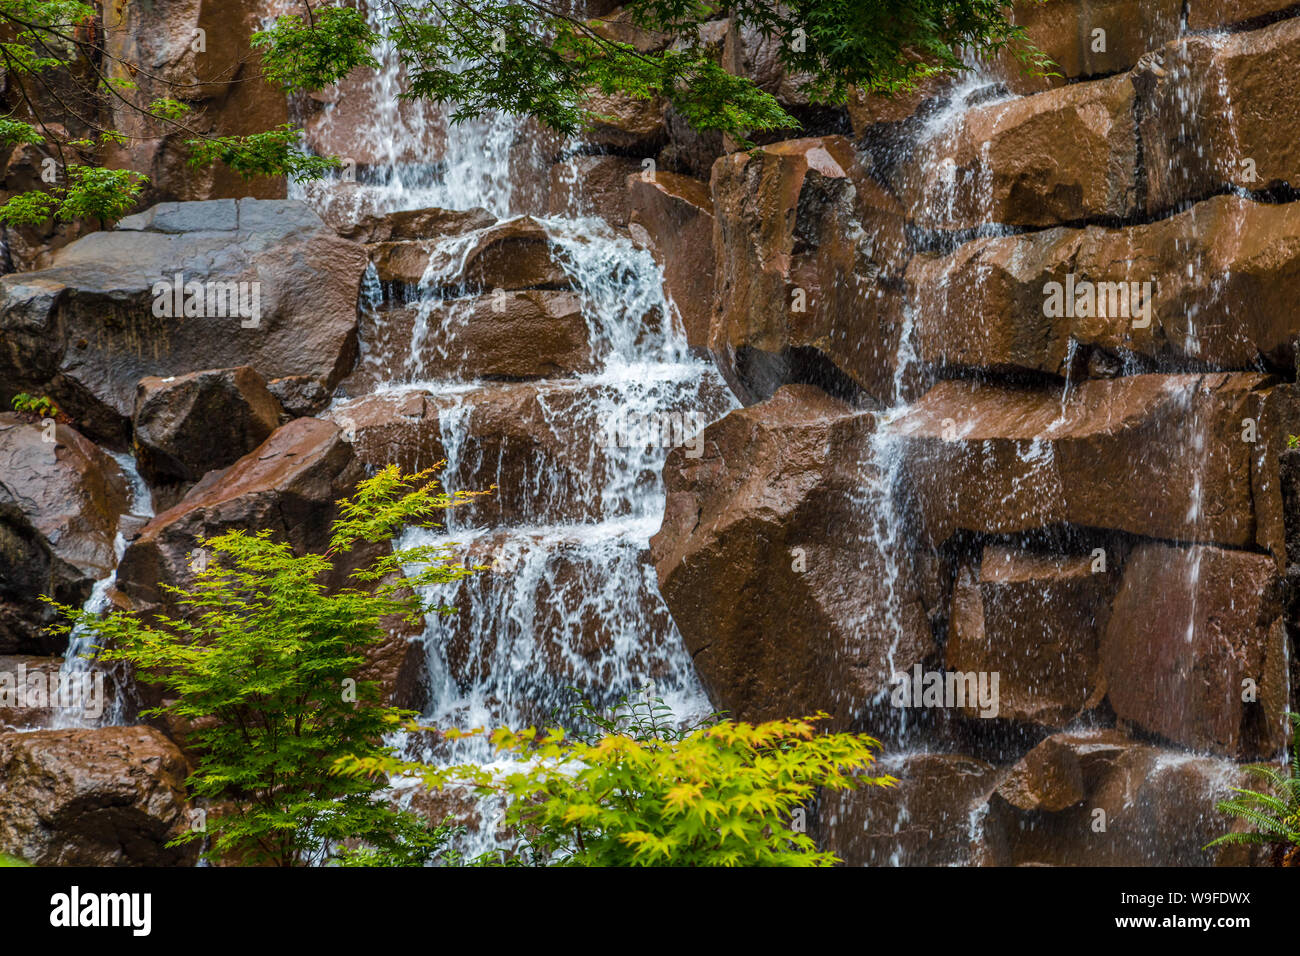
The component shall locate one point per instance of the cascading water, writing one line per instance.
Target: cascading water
(572, 600)
(95, 701)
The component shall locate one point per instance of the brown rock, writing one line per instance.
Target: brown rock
(60, 503)
(1005, 163)
(24, 691)
(592, 186)
(341, 121)
(287, 485)
(1096, 798)
(1208, 14)
(747, 52)
(624, 123)
(618, 26)
(513, 254)
(925, 820)
(808, 252)
(299, 395)
(675, 214)
(870, 109)
(111, 796)
(983, 305)
(411, 224)
(1066, 30)
(508, 435)
(1192, 631)
(536, 333)
(84, 331)
(188, 425)
(768, 562)
(1211, 115)
(1108, 454)
(159, 50)
(1211, 285)
(1035, 620)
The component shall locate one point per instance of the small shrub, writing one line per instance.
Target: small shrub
(264, 669)
(645, 793)
(42, 406)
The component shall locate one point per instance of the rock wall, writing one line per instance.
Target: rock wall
(1059, 310)
(1017, 360)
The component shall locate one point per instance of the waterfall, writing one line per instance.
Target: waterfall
(79, 671)
(572, 600)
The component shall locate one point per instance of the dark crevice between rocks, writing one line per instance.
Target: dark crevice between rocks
(1244, 26)
(758, 374)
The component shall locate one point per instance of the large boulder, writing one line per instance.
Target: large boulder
(1184, 457)
(673, 216)
(809, 250)
(1088, 38)
(89, 327)
(1213, 115)
(533, 333)
(1035, 619)
(187, 425)
(110, 796)
(1097, 798)
(982, 305)
(512, 254)
(1212, 285)
(769, 559)
(1196, 649)
(60, 503)
(287, 485)
(1003, 163)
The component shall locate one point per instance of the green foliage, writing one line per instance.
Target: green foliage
(23, 402)
(6, 860)
(168, 108)
(272, 153)
(29, 208)
(313, 54)
(644, 792)
(15, 132)
(262, 665)
(534, 58)
(93, 192)
(1274, 815)
(38, 34)
(1293, 441)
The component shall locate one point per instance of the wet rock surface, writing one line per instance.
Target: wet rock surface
(948, 464)
(112, 796)
(108, 312)
(61, 498)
